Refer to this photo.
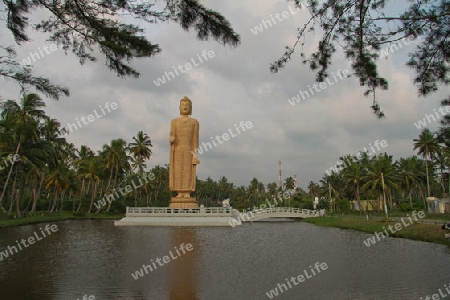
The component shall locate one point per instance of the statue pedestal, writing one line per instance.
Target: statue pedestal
(183, 202)
(179, 217)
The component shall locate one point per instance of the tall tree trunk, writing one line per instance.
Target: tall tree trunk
(63, 194)
(36, 197)
(7, 179)
(79, 205)
(17, 203)
(94, 193)
(384, 197)
(410, 199)
(55, 199)
(88, 187)
(114, 188)
(380, 207)
(33, 191)
(81, 194)
(157, 190)
(109, 180)
(29, 201)
(49, 201)
(331, 199)
(11, 204)
(428, 180)
(149, 198)
(424, 196)
(358, 198)
(12, 191)
(391, 204)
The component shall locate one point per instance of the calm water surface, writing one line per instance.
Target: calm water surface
(96, 258)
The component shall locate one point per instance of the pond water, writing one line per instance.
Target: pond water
(94, 258)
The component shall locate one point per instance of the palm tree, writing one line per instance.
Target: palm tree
(93, 171)
(82, 161)
(272, 189)
(140, 149)
(36, 160)
(21, 123)
(161, 181)
(116, 161)
(381, 174)
(58, 180)
(427, 146)
(211, 190)
(289, 185)
(223, 188)
(446, 157)
(334, 184)
(353, 175)
(314, 189)
(252, 190)
(261, 190)
(440, 160)
(409, 175)
(35, 174)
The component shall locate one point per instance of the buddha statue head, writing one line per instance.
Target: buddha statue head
(185, 106)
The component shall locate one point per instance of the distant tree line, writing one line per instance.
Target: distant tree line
(41, 171)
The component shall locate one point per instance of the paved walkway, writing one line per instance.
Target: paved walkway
(425, 221)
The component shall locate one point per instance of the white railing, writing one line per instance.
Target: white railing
(172, 212)
(308, 212)
(274, 212)
(280, 212)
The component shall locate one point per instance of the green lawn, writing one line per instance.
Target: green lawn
(394, 213)
(417, 231)
(40, 217)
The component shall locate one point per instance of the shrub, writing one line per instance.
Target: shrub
(308, 204)
(405, 206)
(343, 205)
(117, 207)
(323, 204)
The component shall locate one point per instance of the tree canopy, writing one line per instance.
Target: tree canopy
(362, 27)
(88, 26)
(40, 171)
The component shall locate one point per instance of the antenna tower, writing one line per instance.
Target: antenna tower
(280, 178)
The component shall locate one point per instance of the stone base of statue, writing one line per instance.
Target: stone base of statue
(181, 217)
(183, 202)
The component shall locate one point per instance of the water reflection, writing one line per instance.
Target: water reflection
(184, 272)
(96, 258)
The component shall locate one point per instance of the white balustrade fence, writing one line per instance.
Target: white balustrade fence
(176, 212)
(257, 214)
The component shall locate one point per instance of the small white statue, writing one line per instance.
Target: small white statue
(226, 203)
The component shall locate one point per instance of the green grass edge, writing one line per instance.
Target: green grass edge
(417, 231)
(43, 217)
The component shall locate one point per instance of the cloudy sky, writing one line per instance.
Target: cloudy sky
(234, 85)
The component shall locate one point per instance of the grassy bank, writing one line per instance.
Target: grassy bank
(417, 231)
(42, 217)
(392, 214)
